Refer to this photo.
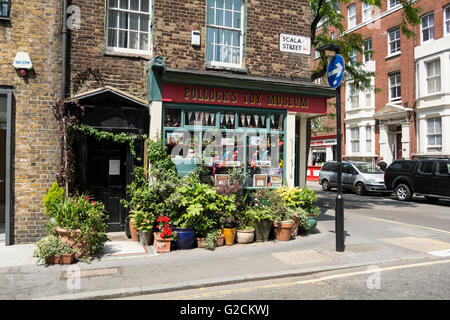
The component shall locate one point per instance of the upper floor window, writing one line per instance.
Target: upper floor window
(354, 97)
(433, 76)
(434, 134)
(5, 9)
(353, 57)
(224, 32)
(395, 86)
(367, 11)
(351, 16)
(367, 50)
(427, 27)
(393, 3)
(394, 41)
(128, 26)
(447, 20)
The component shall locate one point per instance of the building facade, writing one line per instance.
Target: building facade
(408, 118)
(30, 83)
(222, 82)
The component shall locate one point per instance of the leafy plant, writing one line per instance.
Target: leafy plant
(79, 213)
(258, 214)
(51, 246)
(299, 198)
(54, 195)
(211, 239)
(237, 176)
(143, 220)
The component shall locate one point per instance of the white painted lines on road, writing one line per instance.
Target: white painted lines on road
(440, 253)
(418, 244)
(408, 224)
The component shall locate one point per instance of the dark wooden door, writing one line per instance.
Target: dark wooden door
(399, 147)
(107, 175)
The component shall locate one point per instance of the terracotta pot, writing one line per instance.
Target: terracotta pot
(201, 243)
(52, 260)
(220, 240)
(73, 238)
(245, 236)
(161, 245)
(66, 258)
(283, 230)
(133, 231)
(230, 235)
(295, 226)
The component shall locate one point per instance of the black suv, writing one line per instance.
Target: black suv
(429, 178)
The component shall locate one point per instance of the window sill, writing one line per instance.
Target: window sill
(5, 18)
(126, 55)
(209, 66)
(393, 55)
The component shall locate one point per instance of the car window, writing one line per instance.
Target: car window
(442, 168)
(347, 168)
(368, 168)
(330, 166)
(402, 166)
(426, 167)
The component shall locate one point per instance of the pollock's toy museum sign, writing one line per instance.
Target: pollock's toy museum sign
(243, 98)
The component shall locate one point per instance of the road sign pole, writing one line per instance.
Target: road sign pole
(339, 213)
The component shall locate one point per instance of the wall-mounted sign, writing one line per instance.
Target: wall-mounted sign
(22, 61)
(241, 98)
(295, 44)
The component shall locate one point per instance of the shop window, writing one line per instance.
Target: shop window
(5, 9)
(239, 140)
(128, 26)
(319, 157)
(172, 118)
(224, 33)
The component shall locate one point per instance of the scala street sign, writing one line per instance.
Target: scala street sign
(295, 44)
(335, 71)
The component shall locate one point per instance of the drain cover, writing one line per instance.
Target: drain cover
(91, 273)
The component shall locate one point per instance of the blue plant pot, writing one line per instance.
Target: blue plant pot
(185, 238)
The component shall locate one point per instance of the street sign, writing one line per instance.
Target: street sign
(335, 71)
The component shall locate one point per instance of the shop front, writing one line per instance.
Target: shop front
(228, 121)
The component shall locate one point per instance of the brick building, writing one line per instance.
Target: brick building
(409, 117)
(29, 135)
(183, 70)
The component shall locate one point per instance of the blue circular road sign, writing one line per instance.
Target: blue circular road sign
(335, 71)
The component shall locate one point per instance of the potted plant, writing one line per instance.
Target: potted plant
(245, 232)
(212, 239)
(282, 223)
(52, 251)
(229, 229)
(144, 224)
(165, 235)
(313, 212)
(133, 231)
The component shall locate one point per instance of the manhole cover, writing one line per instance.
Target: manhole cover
(91, 273)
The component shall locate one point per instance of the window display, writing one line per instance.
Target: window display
(223, 139)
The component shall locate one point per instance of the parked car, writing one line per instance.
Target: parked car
(429, 178)
(360, 177)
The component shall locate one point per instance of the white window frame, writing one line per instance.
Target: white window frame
(394, 3)
(368, 138)
(435, 76)
(231, 65)
(395, 30)
(354, 57)
(368, 98)
(369, 50)
(366, 12)
(354, 140)
(447, 20)
(429, 29)
(435, 147)
(128, 11)
(391, 85)
(352, 17)
(5, 5)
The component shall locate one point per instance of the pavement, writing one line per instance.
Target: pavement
(127, 269)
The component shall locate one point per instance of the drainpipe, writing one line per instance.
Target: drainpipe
(64, 51)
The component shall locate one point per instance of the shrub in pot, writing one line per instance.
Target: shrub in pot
(262, 220)
(52, 251)
(144, 220)
(165, 235)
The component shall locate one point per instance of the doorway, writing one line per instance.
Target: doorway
(5, 161)
(398, 146)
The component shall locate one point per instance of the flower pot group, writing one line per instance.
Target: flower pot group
(283, 230)
(245, 236)
(161, 245)
(62, 259)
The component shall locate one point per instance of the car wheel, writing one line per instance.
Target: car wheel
(431, 199)
(360, 189)
(325, 185)
(402, 192)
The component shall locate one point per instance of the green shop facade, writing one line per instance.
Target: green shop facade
(227, 120)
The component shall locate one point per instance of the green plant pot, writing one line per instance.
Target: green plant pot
(312, 223)
(262, 230)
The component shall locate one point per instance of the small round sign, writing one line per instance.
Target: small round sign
(335, 71)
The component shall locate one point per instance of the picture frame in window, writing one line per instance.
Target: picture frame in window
(228, 141)
(276, 180)
(174, 138)
(255, 140)
(221, 179)
(260, 180)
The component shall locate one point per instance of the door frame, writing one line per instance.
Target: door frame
(9, 148)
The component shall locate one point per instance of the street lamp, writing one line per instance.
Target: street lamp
(337, 74)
